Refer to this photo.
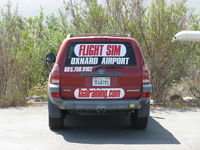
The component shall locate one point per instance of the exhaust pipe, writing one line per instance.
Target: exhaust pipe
(101, 110)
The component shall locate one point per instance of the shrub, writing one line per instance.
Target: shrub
(153, 26)
(24, 42)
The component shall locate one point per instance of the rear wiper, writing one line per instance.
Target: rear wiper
(98, 66)
(110, 66)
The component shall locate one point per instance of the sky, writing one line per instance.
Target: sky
(32, 7)
(29, 8)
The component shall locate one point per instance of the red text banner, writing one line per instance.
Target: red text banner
(99, 93)
(100, 50)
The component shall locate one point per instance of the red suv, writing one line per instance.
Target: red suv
(99, 74)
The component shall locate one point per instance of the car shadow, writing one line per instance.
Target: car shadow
(113, 130)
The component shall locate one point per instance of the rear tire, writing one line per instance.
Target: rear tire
(56, 123)
(139, 119)
(56, 117)
(138, 123)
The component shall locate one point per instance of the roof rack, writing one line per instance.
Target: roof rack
(86, 35)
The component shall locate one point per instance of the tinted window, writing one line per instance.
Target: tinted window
(93, 54)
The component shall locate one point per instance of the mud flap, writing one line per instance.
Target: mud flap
(144, 111)
(53, 110)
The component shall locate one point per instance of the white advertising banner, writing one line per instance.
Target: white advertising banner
(99, 93)
(100, 50)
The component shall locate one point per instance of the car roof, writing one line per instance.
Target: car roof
(98, 35)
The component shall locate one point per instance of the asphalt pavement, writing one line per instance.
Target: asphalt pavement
(26, 128)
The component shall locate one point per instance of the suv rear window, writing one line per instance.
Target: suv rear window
(98, 53)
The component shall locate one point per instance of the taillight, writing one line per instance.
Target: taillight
(145, 95)
(54, 75)
(55, 95)
(145, 75)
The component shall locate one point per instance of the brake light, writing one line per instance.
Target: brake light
(54, 75)
(146, 76)
(55, 95)
(145, 95)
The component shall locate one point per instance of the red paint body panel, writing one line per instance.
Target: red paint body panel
(130, 81)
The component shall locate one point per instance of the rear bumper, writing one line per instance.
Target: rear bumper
(97, 104)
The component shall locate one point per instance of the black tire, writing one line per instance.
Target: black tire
(56, 123)
(139, 123)
(56, 117)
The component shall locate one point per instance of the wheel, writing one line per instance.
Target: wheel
(56, 117)
(56, 123)
(139, 119)
(139, 123)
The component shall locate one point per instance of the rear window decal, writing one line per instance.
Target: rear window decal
(84, 61)
(94, 54)
(78, 69)
(104, 61)
(99, 93)
(100, 50)
(112, 61)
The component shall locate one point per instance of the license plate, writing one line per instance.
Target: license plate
(101, 81)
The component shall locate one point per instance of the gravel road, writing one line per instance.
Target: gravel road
(26, 128)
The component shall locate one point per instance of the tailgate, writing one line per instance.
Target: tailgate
(100, 71)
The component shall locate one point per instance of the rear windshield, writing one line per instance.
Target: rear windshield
(94, 54)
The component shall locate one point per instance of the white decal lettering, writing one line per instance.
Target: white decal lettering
(78, 69)
(115, 60)
(84, 61)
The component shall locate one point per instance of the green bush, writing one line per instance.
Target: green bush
(25, 42)
(153, 26)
